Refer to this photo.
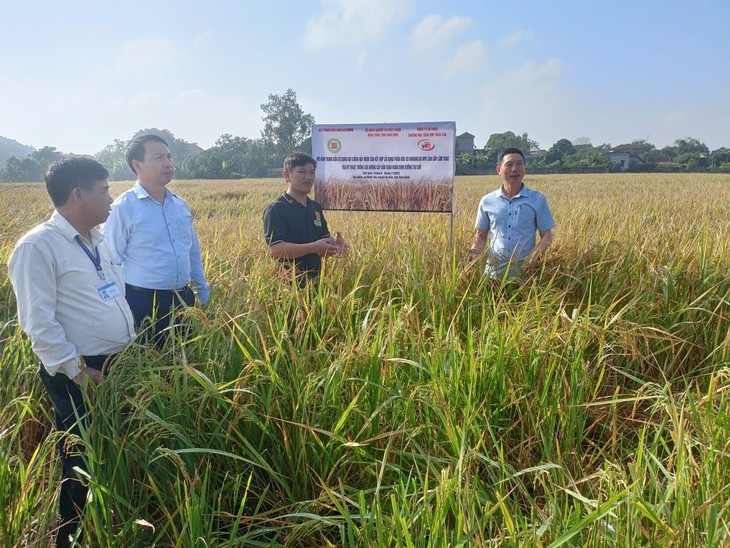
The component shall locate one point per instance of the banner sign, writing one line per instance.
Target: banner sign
(385, 167)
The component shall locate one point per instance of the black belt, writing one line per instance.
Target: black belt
(163, 291)
(100, 362)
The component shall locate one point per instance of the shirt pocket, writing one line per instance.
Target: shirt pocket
(526, 216)
(184, 230)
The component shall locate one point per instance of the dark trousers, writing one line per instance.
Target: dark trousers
(158, 305)
(69, 410)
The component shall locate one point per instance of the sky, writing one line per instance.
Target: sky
(77, 75)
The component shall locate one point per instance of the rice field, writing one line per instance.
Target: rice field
(403, 401)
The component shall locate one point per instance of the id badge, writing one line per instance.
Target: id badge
(108, 290)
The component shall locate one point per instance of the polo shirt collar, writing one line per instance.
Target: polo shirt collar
(69, 232)
(292, 201)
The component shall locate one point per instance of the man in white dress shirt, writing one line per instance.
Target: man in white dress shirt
(150, 232)
(71, 304)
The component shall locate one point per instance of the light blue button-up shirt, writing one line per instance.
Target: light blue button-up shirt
(512, 224)
(156, 242)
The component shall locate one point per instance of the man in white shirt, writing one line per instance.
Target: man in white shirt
(71, 304)
(150, 232)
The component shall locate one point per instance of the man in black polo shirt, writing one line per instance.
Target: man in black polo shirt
(294, 226)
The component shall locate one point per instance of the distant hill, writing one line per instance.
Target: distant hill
(9, 148)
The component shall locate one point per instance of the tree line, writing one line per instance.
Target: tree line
(685, 155)
(287, 128)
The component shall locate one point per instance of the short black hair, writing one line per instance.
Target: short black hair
(506, 151)
(298, 159)
(71, 171)
(135, 148)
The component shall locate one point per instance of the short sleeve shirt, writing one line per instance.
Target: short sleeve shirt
(287, 220)
(512, 224)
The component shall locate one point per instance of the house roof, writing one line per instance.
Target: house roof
(465, 134)
(630, 148)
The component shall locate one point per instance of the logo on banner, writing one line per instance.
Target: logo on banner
(334, 145)
(425, 144)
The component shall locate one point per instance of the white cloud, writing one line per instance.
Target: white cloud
(353, 22)
(516, 38)
(467, 57)
(436, 32)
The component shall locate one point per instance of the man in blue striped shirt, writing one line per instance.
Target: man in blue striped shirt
(150, 232)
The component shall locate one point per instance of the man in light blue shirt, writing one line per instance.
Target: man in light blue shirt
(150, 232)
(509, 217)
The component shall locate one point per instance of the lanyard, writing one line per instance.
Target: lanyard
(95, 258)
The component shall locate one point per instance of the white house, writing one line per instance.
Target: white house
(626, 156)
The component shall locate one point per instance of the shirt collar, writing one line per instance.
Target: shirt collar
(69, 232)
(523, 193)
(292, 201)
(141, 192)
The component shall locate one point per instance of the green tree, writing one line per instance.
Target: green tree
(721, 156)
(113, 157)
(233, 151)
(558, 151)
(690, 145)
(592, 158)
(207, 165)
(463, 163)
(257, 158)
(669, 152)
(499, 141)
(230, 157)
(721, 160)
(16, 170)
(224, 160)
(477, 163)
(692, 153)
(32, 168)
(286, 127)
